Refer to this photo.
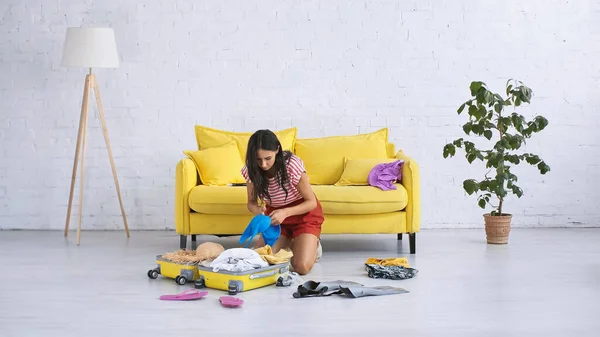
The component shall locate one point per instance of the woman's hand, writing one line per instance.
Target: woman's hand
(278, 216)
(252, 205)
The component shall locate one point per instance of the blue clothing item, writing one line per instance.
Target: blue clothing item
(261, 224)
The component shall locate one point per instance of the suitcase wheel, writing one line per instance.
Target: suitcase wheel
(234, 287)
(180, 280)
(152, 273)
(199, 284)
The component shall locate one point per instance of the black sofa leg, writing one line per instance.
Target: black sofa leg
(182, 241)
(194, 241)
(413, 242)
(399, 236)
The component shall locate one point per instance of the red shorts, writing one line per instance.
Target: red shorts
(302, 223)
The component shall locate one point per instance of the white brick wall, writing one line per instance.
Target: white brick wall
(327, 67)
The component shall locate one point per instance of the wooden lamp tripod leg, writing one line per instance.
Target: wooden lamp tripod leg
(81, 179)
(110, 155)
(90, 83)
(81, 134)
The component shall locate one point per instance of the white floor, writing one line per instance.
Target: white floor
(545, 282)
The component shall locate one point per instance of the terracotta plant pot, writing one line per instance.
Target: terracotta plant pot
(497, 228)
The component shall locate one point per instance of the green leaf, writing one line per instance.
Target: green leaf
(458, 142)
(541, 123)
(502, 144)
(525, 94)
(518, 121)
(475, 86)
(482, 112)
(449, 150)
(505, 122)
(469, 146)
(473, 111)
(488, 134)
(461, 108)
(501, 192)
(470, 186)
(481, 203)
(498, 107)
(467, 128)
(492, 161)
(516, 141)
(489, 98)
(532, 159)
(517, 190)
(471, 157)
(543, 168)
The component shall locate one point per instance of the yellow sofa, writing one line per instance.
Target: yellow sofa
(210, 200)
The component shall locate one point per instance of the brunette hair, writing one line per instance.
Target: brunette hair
(266, 140)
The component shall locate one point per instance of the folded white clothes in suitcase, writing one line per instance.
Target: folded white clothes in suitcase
(238, 260)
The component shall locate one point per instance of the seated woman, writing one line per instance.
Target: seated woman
(279, 179)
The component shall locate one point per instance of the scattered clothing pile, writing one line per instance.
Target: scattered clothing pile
(214, 256)
(396, 268)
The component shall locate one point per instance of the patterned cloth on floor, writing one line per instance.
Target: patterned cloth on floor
(349, 289)
(390, 268)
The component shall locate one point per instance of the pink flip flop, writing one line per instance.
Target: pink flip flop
(190, 294)
(232, 302)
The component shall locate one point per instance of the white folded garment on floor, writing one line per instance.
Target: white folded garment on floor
(237, 260)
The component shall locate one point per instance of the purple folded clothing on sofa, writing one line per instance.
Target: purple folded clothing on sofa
(384, 175)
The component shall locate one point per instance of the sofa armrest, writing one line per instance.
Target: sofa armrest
(186, 178)
(411, 181)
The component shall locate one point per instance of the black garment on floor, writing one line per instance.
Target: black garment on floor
(390, 272)
(344, 288)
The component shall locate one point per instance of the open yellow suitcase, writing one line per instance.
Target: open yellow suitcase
(235, 282)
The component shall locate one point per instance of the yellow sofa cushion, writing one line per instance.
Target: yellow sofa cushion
(360, 199)
(324, 157)
(334, 199)
(208, 137)
(391, 150)
(218, 165)
(356, 171)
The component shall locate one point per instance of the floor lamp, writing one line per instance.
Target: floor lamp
(90, 48)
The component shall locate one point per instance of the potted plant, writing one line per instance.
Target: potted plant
(506, 133)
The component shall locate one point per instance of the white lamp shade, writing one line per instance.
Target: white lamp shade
(90, 48)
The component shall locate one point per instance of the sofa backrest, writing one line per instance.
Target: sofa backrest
(324, 157)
